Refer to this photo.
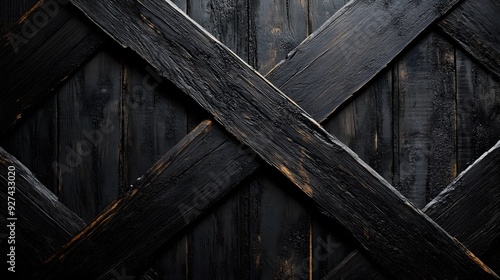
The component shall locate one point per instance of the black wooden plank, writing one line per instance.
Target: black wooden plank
(43, 223)
(31, 68)
(355, 266)
(314, 155)
(467, 209)
(365, 126)
(11, 11)
(275, 30)
(89, 137)
(367, 33)
(426, 119)
(154, 119)
(283, 222)
(166, 183)
(34, 142)
(223, 232)
(478, 124)
(320, 11)
(475, 25)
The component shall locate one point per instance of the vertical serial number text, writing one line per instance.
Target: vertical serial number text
(11, 218)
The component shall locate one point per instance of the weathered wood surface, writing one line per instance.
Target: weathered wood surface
(48, 53)
(359, 26)
(85, 43)
(468, 209)
(477, 103)
(35, 208)
(175, 207)
(425, 119)
(89, 137)
(474, 24)
(266, 102)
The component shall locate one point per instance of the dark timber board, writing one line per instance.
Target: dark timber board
(426, 119)
(468, 194)
(479, 144)
(302, 125)
(36, 208)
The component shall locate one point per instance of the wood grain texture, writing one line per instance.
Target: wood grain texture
(217, 246)
(276, 30)
(11, 11)
(359, 26)
(263, 111)
(475, 26)
(89, 137)
(426, 119)
(40, 60)
(276, 27)
(467, 209)
(34, 142)
(320, 11)
(154, 119)
(35, 208)
(478, 107)
(176, 207)
(355, 266)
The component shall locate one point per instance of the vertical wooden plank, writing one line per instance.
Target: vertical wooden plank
(89, 137)
(321, 10)
(364, 125)
(328, 246)
(426, 116)
(34, 142)
(217, 245)
(284, 230)
(154, 120)
(478, 107)
(278, 26)
(279, 224)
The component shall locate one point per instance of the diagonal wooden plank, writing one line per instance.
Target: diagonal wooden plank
(260, 116)
(383, 27)
(38, 53)
(372, 34)
(35, 208)
(283, 71)
(168, 183)
(468, 209)
(475, 26)
(83, 44)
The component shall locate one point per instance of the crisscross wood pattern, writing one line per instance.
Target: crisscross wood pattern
(392, 140)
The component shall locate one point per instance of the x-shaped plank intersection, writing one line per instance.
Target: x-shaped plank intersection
(296, 127)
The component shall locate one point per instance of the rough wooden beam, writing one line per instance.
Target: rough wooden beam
(166, 199)
(26, 85)
(468, 209)
(260, 116)
(475, 25)
(367, 36)
(38, 53)
(42, 224)
(372, 34)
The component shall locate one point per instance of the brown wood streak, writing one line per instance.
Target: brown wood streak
(460, 209)
(258, 113)
(36, 208)
(475, 37)
(44, 34)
